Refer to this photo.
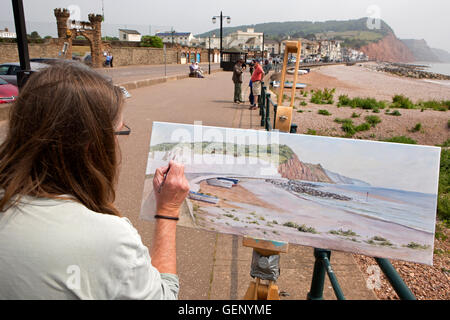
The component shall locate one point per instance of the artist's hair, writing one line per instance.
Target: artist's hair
(61, 139)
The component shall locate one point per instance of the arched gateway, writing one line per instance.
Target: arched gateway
(92, 31)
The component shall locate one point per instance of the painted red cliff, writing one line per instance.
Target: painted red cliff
(294, 169)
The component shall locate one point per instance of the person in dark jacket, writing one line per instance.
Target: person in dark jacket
(238, 77)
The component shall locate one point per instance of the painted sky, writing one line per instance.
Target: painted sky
(411, 19)
(386, 165)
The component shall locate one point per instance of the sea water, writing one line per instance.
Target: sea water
(411, 209)
(441, 68)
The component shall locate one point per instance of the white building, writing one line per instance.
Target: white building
(244, 40)
(129, 35)
(181, 38)
(7, 34)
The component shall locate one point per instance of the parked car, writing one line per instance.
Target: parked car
(8, 92)
(8, 71)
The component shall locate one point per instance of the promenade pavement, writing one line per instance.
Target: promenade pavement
(140, 72)
(210, 265)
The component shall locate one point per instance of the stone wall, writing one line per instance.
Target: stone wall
(136, 56)
(9, 52)
(123, 56)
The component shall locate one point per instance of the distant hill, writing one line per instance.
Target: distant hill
(421, 50)
(442, 55)
(354, 33)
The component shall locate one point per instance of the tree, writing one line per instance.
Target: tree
(35, 35)
(151, 41)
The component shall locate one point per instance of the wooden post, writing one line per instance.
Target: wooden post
(266, 248)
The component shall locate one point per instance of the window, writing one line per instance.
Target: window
(13, 71)
(124, 37)
(4, 70)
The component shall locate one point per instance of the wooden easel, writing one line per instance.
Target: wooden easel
(283, 120)
(258, 290)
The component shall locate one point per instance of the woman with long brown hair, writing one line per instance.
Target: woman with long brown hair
(60, 234)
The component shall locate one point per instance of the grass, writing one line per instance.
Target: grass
(417, 127)
(413, 245)
(324, 112)
(373, 120)
(347, 233)
(350, 129)
(402, 102)
(398, 102)
(311, 132)
(395, 113)
(379, 241)
(323, 97)
(362, 103)
(302, 228)
(303, 103)
(401, 139)
(355, 115)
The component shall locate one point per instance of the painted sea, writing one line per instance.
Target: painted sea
(411, 209)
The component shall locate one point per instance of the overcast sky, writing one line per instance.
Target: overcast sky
(387, 165)
(415, 19)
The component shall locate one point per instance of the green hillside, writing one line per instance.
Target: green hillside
(353, 32)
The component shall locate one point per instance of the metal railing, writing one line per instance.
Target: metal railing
(268, 109)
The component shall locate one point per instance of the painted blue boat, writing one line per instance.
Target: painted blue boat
(235, 181)
(220, 183)
(203, 197)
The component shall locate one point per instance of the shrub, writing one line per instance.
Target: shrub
(304, 228)
(324, 112)
(355, 115)
(401, 139)
(303, 103)
(394, 113)
(311, 132)
(417, 127)
(363, 127)
(373, 120)
(400, 101)
(323, 97)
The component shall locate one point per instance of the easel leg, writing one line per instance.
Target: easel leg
(318, 279)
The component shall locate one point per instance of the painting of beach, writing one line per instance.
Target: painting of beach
(365, 197)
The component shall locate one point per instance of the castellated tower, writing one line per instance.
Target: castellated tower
(62, 16)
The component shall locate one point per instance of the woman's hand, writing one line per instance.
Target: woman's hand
(171, 191)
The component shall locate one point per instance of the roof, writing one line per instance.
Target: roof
(129, 31)
(175, 34)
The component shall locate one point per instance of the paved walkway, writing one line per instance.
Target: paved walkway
(210, 265)
(135, 73)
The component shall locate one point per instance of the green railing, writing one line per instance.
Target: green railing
(268, 109)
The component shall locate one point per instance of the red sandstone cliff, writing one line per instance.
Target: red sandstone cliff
(294, 169)
(389, 49)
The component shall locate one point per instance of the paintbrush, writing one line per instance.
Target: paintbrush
(165, 176)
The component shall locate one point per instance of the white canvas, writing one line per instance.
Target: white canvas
(373, 198)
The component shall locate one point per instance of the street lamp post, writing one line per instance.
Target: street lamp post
(209, 56)
(221, 30)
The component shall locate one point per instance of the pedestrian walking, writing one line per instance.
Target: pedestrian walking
(238, 77)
